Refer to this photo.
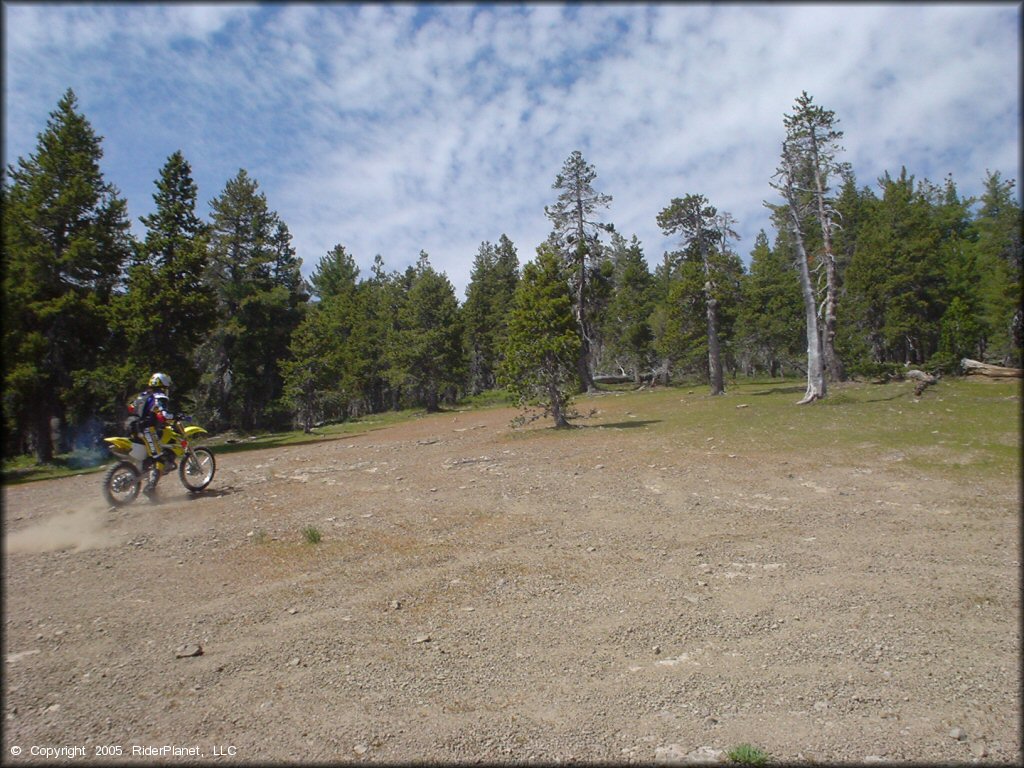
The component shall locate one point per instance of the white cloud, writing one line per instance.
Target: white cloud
(395, 128)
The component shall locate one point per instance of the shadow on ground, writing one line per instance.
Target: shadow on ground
(631, 424)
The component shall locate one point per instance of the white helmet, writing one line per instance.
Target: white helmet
(161, 380)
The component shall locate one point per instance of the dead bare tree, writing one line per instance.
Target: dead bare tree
(787, 181)
(811, 132)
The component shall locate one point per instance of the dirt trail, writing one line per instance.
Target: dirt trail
(484, 595)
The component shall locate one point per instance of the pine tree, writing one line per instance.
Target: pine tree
(896, 284)
(679, 320)
(322, 377)
(999, 249)
(168, 308)
(254, 275)
(663, 326)
(382, 297)
(770, 316)
(626, 328)
(958, 301)
(489, 298)
(540, 365)
(336, 274)
(65, 241)
(350, 331)
(852, 206)
(703, 231)
(428, 352)
(576, 234)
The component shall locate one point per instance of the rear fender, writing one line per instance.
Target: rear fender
(119, 444)
(124, 446)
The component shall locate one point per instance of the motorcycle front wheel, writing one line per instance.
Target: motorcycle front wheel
(121, 484)
(196, 469)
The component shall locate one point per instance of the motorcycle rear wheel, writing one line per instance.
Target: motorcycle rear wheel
(197, 470)
(121, 484)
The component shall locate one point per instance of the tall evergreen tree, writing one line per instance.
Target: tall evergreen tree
(168, 308)
(999, 250)
(627, 329)
(65, 241)
(428, 352)
(335, 274)
(382, 297)
(770, 316)
(852, 206)
(576, 233)
(960, 327)
(663, 320)
(323, 376)
(679, 321)
(489, 298)
(703, 231)
(897, 286)
(254, 274)
(540, 364)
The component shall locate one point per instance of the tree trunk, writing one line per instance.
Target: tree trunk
(557, 410)
(974, 367)
(433, 400)
(43, 438)
(583, 368)
(816, 388)
(924, 380)
(714, 351)
(583, 364)
(833, 366)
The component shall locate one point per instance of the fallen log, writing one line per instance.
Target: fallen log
(973, 367)
(917, 375)
(924, 380)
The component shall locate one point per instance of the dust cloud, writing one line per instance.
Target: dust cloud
(76, 530)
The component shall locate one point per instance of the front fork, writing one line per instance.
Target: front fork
(188, 459)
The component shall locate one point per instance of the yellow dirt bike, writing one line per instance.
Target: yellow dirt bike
(195, 465)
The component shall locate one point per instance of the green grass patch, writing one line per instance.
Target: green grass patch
(960, 425)
(748, 754)
(492, 398)
(966, 426)
(24, 469)
(312, 535)
(259, 537)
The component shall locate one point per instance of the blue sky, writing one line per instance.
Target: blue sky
(396, 128)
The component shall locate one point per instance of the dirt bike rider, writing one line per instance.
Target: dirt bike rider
(153, 409)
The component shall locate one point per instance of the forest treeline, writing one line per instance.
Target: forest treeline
(903, 272)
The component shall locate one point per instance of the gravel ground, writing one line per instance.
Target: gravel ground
(481, 594)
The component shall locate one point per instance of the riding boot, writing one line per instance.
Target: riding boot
(150, 488)
(168, 458)
(156, 465)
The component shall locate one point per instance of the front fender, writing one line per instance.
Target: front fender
(192, 431)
